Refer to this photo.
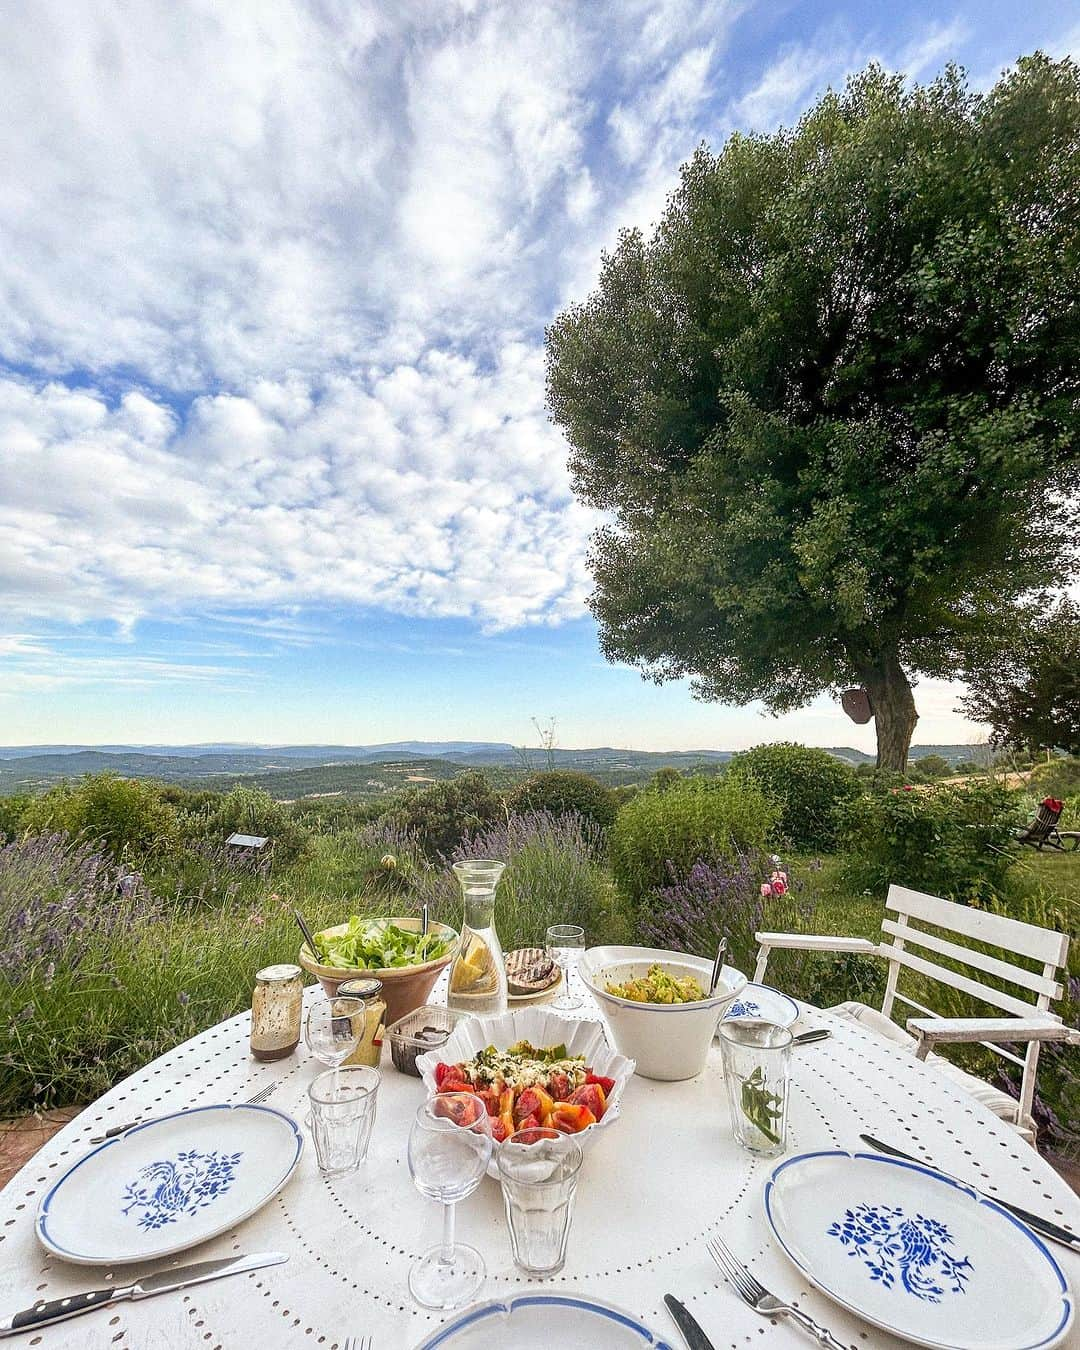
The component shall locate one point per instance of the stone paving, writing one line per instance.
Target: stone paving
(20, 1139)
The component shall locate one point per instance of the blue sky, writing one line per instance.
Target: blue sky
(274, 461)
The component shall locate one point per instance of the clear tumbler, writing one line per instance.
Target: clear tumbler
(538, 1170)
(342, 1116)
(756, 1058)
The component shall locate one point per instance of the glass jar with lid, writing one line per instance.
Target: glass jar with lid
(369, 991)
(276, 1011)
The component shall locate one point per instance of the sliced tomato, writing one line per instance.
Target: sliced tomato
(463, 1108)
(506, 1109)
(499, 1132)
(443, 1072)
(606, 1083)
(490, 1098)
(592, 1096)
(455, 1085)
(559, 1086)
(571, 1119)
(533, 1101)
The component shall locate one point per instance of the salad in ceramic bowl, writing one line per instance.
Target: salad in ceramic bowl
(532, 1068)
(658, 1007)
(406, 960)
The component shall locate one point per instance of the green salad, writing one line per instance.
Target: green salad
(378, 944)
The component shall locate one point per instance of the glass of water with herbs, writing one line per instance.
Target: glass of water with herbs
(757, 1072)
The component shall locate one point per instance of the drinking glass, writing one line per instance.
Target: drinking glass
(565, 942)
(756, 1057)
(333, 1029)
(342, 1116)
(449, 1150)
(538, 1170)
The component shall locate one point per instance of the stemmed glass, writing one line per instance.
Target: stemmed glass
(565, 942)
(449, 1150)
(333, 1029)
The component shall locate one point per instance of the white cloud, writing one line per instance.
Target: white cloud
(297, 259)
(435, 489)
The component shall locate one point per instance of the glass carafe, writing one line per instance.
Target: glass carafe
(478, 975)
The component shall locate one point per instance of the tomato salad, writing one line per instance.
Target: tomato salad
(525, 1087)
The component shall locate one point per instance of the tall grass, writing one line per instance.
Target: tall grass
(101, 970)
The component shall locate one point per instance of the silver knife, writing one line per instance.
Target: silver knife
(688, 1324)
(59, 1309)
(1046, 1227)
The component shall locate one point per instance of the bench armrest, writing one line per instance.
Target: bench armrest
(808, 942)
(931, 1031)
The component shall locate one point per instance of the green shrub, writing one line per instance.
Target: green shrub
(666, 776)
(12, 811)
(1059, 778)
(953, 841)
(809, 786)
(439, 816)
(659, 836)
(249, 810)
(126, 815)
(562, 792)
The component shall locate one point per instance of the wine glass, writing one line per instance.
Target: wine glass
(565, 942)
(333, 1029)
(449, 1150)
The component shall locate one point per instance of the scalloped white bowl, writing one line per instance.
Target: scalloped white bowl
(669, 1041)
(541, 1027)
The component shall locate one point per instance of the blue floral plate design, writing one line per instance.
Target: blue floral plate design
(169, 1184)
(540, 1321)
(762, 1000)
(916, 1253)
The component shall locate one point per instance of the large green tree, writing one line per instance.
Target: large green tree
(1028, 688)
(832, 403)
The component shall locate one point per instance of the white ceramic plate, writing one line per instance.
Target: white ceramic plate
(539, 1321)
(169, 1184)
(916, 1253)
(542, 1027)
(762, 1000)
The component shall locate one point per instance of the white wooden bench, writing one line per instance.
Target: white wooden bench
(1030, 1021)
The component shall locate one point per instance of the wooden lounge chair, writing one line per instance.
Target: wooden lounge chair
(1044, 828)
(1029, 1021)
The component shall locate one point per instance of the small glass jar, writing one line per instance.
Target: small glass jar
(276, 1012)
(369, 992)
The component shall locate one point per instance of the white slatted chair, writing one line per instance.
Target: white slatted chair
(1029, 1022)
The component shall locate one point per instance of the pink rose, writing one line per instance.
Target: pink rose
(766, 889)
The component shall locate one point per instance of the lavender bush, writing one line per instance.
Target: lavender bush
(554, 875)
(715, 900)
(58, 897)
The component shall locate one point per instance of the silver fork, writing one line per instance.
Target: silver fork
(359, 1343)
(261, 1096)
(753, 1292)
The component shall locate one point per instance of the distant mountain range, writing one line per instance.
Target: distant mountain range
(338, 768)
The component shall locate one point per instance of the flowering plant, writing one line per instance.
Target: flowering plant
(777, 883)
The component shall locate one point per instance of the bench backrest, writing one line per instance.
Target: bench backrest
(911, 917)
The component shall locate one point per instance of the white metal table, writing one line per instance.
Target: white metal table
(665, 1175)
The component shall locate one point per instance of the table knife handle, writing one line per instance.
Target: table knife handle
(818, 1332)
(57, 1310)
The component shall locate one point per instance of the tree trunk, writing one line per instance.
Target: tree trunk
(894, 710)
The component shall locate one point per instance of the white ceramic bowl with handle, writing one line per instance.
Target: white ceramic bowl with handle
(668, 1041)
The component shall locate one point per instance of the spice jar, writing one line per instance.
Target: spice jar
(369, 992)
(276, 1011)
